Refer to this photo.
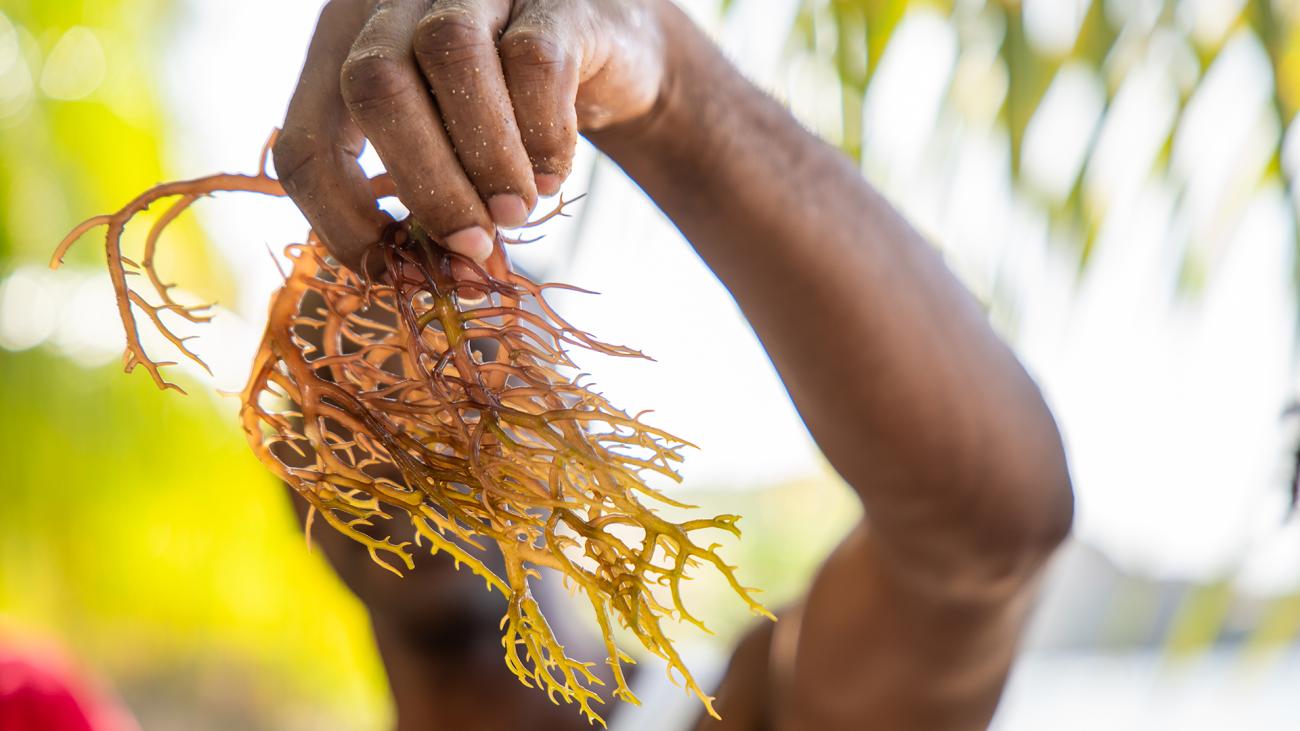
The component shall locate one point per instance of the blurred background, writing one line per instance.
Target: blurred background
(1114, 179)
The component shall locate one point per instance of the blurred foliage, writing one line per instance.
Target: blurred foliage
(138, 530)
(789, 529)
(1112, 39)
(134, 526)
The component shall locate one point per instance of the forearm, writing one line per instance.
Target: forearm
(906, 389)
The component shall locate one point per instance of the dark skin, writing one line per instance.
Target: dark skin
(475, 107)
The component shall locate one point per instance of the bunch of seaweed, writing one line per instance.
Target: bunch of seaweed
(444, 392)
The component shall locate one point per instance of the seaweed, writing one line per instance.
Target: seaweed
(443, 392)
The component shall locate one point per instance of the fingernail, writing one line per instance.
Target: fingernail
(473, 242)
(547, 184)
(508, 211)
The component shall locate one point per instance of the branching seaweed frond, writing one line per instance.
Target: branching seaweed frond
(394, 396)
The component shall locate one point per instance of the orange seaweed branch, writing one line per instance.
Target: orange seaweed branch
(397, 396)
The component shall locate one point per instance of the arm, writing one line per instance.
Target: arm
(904, 386)
(913, 399)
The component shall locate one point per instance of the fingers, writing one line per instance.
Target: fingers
(389, 100)
(455, 45)
(470, 121)
(542, 75)
(316, 152)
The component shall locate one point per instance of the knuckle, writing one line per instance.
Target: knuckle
(373, 76)
(291, 153)
(532, 51)
(450, 37)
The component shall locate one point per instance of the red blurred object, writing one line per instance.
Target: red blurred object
(38, 692)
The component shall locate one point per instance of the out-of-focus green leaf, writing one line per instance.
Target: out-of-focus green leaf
(882, 19)
(1096, 36)
(1279, 627)
(1199, 619)
(135, 527)
(862, 31)
(851, 53)
(1028, 74)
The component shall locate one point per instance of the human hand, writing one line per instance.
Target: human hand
(474, 106)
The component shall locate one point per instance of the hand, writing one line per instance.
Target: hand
(474, 106)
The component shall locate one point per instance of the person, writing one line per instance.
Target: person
(475, 106)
